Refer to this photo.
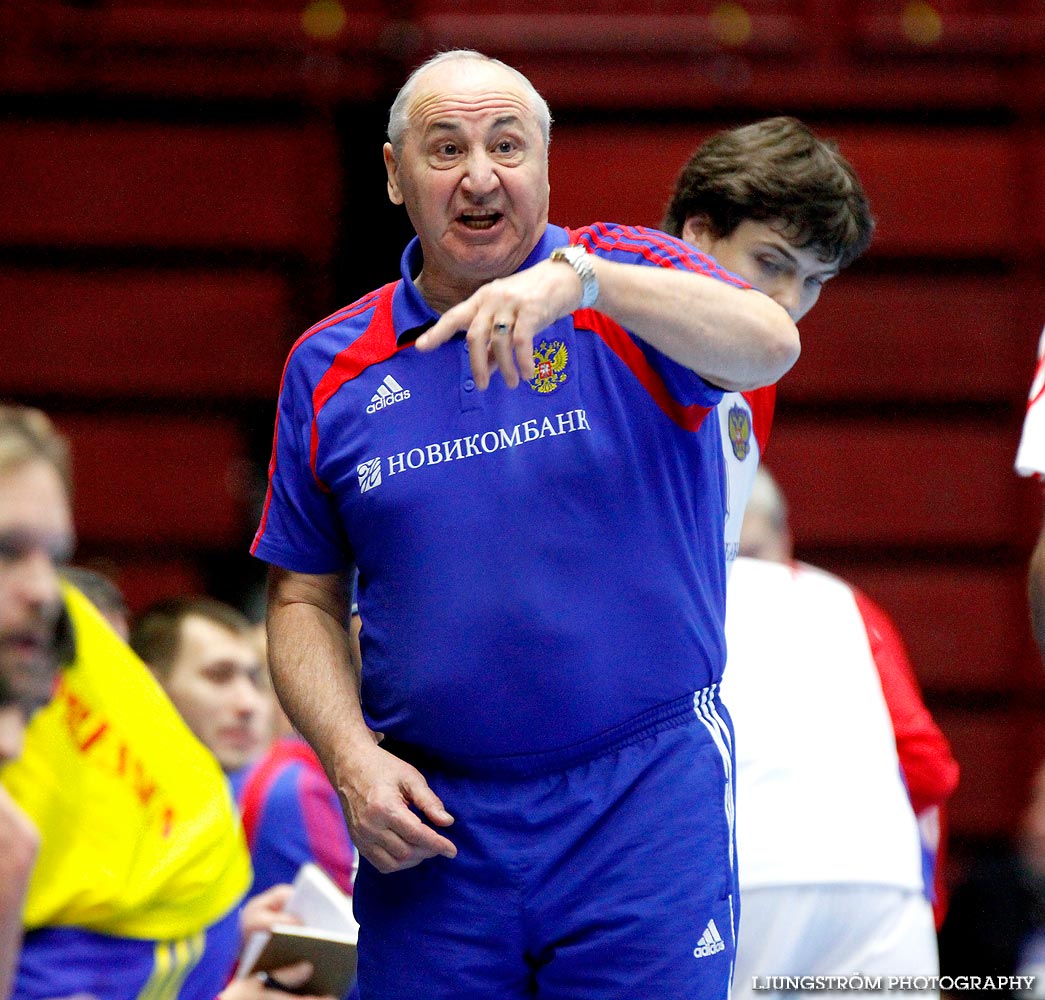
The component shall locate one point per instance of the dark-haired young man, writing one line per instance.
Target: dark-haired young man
(786, 212)
(205, 656)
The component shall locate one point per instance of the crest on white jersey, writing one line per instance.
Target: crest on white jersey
(739, 428)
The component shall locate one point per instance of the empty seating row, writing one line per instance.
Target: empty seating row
(652, 53)
(160, 481)
(943, 191)
(903, 479)
(181, 334)
(252, 188)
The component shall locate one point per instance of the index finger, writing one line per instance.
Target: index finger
(408, 826)
(452, 322)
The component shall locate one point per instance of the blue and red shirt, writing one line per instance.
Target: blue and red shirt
(540, 570)
(292, 815)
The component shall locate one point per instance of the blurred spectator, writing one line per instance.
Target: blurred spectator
(36, 537)
(140, 858)
(104, 594)
(291, 814)
(1030, 461)
(205, 655)
(995, 925)
(829, 723)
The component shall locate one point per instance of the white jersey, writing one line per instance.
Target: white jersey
(744, 419)
(820, 797)
(1030, 457)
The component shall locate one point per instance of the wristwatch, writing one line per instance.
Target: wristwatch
(577, 257)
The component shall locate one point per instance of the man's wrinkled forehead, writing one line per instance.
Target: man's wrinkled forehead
(452, 94)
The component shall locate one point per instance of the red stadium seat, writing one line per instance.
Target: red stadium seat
(145, 333)
(650, 53)
(918, 480)
(256, 188)
(951, 27)
(158, 480)
(941, 192)
(875, 336)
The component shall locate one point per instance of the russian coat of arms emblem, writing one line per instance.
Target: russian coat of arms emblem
(550, 361)
(739, 428)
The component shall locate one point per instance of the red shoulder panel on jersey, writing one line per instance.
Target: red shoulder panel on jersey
(658, 248)
(623, 345)
(763, 403)
(357, 307)
(255, 791)
(374, 345)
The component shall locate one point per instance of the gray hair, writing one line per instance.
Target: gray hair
(398, 116)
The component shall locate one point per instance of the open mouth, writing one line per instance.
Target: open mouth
(479, 221)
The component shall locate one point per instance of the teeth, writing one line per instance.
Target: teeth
(480, 221)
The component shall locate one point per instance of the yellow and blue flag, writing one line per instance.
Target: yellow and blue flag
(140, 835)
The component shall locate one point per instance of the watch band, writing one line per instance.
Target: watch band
(578, 258)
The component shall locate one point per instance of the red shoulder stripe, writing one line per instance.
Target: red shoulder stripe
(357, 307)
(659, 249)
(375, 344)
(763, 403)
(1037, 375)
(623, 345)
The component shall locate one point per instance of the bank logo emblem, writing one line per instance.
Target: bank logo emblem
(739, 427)
(388, 392)
(369, 474)
(550, 362)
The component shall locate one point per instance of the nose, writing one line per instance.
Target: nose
(246, 696)
(480, 177)
(36, 579)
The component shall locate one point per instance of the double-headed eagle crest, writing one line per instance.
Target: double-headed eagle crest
(740, 431)
(550, 362)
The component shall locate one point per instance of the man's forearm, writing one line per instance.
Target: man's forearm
(311, 663)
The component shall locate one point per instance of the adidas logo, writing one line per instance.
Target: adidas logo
(710, 942)
(388, 392)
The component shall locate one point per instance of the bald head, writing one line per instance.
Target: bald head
(399, 116)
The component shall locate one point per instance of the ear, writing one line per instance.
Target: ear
(697, 232)
(395, 195)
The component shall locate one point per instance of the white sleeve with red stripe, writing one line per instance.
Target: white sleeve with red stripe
(1030, 457)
